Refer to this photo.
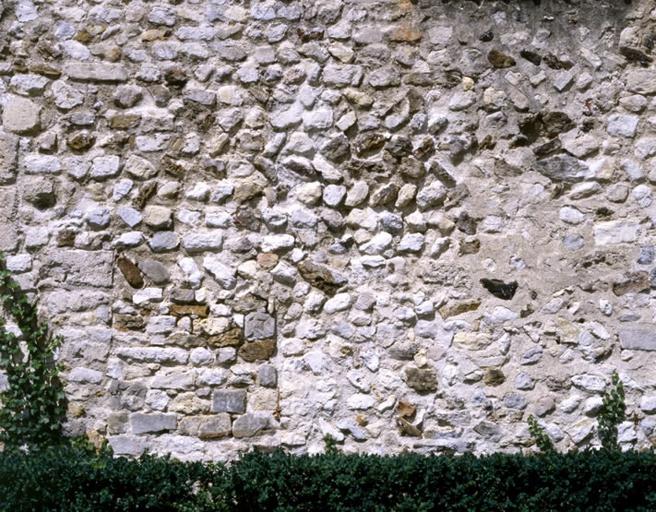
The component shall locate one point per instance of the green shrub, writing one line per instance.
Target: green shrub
(78, 480)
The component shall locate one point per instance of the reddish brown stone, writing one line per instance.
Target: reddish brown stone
(231, 338)
(267, 260)
(130, 271)
(259, 350)
(199, 310)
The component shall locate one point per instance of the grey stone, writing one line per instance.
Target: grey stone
(222, 273)
(155, 271)
(104, 167)
(267, 376)
(229, 400)
(621, 125)
(164, 241)
(638, 337)
(152, 423)
(563, 168)
(95, 72)
(641, 81)
(259, 326)
(250, 425)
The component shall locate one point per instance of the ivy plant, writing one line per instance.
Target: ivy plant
(540, 436)
(33, 405)
(612, 413)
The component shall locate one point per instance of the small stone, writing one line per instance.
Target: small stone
(222, 273)
(41, 193)
(431, 196)
(155, 271)
(267, 376)
(494, 377)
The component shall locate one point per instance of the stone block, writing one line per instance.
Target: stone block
(638, 337)
(152, 423)
(229, 400)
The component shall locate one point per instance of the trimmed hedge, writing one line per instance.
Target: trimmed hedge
(72, 479)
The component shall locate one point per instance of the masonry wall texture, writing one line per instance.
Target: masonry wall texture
(407, 225)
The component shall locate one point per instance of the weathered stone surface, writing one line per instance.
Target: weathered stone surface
(324, 208)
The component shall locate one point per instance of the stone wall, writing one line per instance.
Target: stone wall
(407, 225)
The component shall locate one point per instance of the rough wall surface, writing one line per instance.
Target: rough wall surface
(407, 225)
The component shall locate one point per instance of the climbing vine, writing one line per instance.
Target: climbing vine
(33, 406)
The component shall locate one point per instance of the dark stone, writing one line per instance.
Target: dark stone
(229, 400)
(498, 288)
(555, 63)
(531, 56)
(369, 143)
(321, 277)
(563, 167)
(494, 377)
(231, 338)
(632, 282)
(399, 146)
(466, 224)
(336, 149)
(499, 59)
(486, 36)
(422, 380)
(80, 141)
(130, 271)
(442, 174)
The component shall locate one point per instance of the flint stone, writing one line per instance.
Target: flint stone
(229, 400)
(563, 168)
(152, 423)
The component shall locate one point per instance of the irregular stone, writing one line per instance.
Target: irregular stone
(259, 325)
(563, 168)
